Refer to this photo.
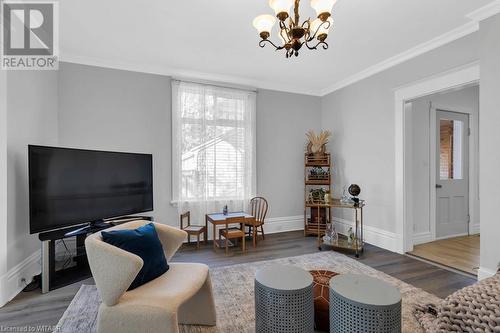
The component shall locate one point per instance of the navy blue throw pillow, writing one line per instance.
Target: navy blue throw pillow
(145, 243)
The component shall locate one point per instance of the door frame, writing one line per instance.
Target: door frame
(433, 164)
(454, 78)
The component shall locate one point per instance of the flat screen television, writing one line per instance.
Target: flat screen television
(74, 186)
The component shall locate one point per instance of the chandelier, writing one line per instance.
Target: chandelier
(292, 33)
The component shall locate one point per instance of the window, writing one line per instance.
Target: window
(213, 145)
(450, 149)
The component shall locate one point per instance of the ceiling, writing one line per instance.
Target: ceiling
(215, 40)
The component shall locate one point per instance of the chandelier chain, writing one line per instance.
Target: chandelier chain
(296, 11)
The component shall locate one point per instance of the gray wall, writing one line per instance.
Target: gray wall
(489, 125)
(464, 100)
(31, 119)
(282, 121)
(361, 117)
(3, 179)
(119, 110)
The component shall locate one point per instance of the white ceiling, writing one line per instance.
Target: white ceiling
(215, 39)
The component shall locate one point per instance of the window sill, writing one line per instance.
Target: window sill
(176, 202)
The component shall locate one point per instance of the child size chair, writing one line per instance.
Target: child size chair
(193, 230)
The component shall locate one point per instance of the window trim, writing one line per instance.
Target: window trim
(252, 95)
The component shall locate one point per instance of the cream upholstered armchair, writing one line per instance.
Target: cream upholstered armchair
(183, 295)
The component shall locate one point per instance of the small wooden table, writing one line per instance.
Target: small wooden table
(220, 219)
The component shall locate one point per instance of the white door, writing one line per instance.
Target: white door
(452, 174)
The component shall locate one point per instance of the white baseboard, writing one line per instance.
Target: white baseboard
(283, 224)
(484, 273)
(276, 224)
(11, 284)
(475, 229)
(452, 236)
(426, 237)
(422, 238)
(375, 236)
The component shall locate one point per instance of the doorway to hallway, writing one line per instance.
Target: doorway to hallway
(441, 180)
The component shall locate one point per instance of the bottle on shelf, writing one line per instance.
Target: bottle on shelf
(351, 236)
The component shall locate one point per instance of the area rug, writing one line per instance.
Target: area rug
(234, 298)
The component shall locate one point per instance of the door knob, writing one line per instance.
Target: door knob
(439, 185)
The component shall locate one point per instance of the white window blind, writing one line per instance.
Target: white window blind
(213, 145)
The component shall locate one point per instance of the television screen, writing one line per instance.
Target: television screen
(75, 186)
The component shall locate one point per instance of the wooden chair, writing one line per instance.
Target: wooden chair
(193, 230)
(233, 233)
(258, 209)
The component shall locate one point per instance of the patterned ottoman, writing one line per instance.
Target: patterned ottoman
(321, 282)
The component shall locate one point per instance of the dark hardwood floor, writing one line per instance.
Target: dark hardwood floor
(33, 308)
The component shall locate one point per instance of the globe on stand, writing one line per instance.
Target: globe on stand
(354, 190)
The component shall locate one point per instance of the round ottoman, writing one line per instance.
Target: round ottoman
(360, 303)
(283, 300)
(321, 287)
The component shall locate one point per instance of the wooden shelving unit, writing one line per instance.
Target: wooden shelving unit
(317, 212)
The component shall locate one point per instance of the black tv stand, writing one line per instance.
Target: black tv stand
(51, 278)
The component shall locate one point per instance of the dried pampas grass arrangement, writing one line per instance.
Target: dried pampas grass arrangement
(317, 143)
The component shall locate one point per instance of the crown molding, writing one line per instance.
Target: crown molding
(186, 74)
(485, 12)
(476, 16)
(420, 49)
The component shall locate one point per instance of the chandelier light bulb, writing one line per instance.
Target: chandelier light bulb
(281, 8)
(323, 8)
(321, 27)
(264, 24)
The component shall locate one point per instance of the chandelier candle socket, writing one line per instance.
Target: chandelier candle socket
(292, 34)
